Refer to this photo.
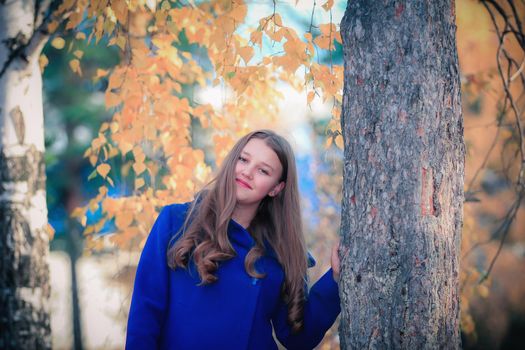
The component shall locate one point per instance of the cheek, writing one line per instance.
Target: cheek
(267, 184)
(237, 167)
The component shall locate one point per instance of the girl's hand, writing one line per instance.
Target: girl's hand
(336, 263)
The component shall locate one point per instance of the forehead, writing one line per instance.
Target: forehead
(261, 152)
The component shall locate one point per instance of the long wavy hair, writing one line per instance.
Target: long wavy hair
(204, 236)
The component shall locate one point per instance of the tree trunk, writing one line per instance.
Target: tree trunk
(403, 176)
(24, 273)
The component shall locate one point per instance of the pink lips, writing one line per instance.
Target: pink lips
(244, 184)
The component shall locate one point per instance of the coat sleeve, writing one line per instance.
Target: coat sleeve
(321, 308)
(150, 292)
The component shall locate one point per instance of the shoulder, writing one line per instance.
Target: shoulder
(176, 211)
(171, 218)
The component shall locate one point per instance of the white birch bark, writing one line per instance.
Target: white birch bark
(24, 275)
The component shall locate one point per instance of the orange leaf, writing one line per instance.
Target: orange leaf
(125, 147)
(112, 99)
(339, 141)
(50, 231)
(238, 13)
(246, 53)
(52, 26)
(256, 38)
(103, 169)
(139, 168)
(328, 142)
(310, 97)
(328, 5)
(138, 154)
(123, 220)
(278, 20)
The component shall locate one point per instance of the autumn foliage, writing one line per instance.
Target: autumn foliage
(170, 51)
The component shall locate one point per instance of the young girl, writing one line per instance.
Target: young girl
(224, 271)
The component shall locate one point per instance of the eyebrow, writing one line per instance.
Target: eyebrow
(263, 163)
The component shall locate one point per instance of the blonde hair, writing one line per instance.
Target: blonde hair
(277, 221)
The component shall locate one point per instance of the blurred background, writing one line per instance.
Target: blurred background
(91, 288)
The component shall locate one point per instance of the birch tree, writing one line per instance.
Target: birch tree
(24, 282)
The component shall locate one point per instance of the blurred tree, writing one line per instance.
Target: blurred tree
(72, 117)
(403, 176)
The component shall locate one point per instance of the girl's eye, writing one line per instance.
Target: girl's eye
(264, 172)
(242, 159)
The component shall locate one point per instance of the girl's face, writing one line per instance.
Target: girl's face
(257, 173)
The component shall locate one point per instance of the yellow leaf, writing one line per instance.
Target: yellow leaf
(328, 142)
(80, 36)
(103, 190)
(74, 64)
(78, 54)
(139, 183)
(114, 127)
(58, 43)
(101, 73)
(103, 169)
(483, 290)
(121, 42)
(77, 212)
(339, 141)
(43, 61)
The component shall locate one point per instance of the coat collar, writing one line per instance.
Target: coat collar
(240, 236)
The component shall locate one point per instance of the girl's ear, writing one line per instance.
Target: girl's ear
(278, 188)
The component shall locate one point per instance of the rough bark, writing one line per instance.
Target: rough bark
(24, 273)
(403, 176)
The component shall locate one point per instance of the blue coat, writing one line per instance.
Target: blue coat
(169, 310)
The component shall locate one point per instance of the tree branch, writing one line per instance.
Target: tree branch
(22, 50)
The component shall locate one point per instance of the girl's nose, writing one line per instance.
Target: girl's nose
(248, 172)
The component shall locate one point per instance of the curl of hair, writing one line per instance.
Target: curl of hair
(277, 222)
